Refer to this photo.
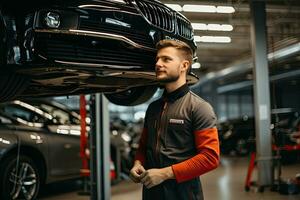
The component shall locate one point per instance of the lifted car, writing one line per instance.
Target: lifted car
(67, 47)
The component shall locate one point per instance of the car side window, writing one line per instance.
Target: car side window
(16, 111)
(61, 116)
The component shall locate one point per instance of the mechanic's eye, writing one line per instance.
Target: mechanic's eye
(167, 59)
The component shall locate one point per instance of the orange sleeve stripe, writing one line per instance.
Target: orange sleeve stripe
(207, 139)
(141, 151)
(207, 159)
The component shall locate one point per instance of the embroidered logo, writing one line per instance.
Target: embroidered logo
(176, 121)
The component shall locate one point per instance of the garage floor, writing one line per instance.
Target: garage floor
(224, 183)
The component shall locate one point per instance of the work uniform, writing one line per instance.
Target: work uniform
(179, 131)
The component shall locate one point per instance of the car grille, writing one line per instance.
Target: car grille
(184, 27)
(157, 15)
(55, 47)
(165, 19)
(139, 37)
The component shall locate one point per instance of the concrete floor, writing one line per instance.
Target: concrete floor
(224, 183)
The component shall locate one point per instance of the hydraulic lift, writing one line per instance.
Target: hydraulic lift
(100, 148)
(97, 174)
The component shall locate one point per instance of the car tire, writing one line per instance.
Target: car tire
(133, 96)
(26, 186)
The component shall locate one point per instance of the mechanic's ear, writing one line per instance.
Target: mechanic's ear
(185, 65)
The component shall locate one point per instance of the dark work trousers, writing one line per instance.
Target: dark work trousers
(171, 190)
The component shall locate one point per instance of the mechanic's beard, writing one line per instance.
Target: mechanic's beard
(169, 79)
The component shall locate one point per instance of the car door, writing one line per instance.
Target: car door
(65, 137)
(65, 147)
(65, 142)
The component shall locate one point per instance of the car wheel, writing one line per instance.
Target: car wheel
(11, 85)
(133, 96)
(19, 179)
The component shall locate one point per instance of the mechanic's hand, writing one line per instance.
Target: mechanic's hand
(136, 172)
(153, 177)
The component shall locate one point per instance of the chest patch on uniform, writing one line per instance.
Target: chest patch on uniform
(176, 121)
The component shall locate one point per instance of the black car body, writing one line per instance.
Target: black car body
(64, 47)
(238, 135)
(44, 150)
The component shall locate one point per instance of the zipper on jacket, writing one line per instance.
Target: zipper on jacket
(159, 128)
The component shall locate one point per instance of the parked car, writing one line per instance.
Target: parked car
(66, 47)
(61, 113)
(34, 149)
(237, 136)
(47, 134)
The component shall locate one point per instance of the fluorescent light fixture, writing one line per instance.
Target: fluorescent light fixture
(199, 8)
(196, 65)
(175, 7)
(197, 38)
(212, 39)
(206, 8)
(219, 27)
(225, 9)
(199, 26)
(212, 27)
(226, 27)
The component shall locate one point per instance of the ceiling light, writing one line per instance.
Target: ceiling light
(226, 27)
(197, 38)
(212, 39)
(199, 26)
(199, 8)
(225, 9)
(208, 8)
(212, 27)
(196, 65)
(219, 27)
(175, 7)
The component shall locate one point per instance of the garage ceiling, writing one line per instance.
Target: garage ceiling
(283, 25)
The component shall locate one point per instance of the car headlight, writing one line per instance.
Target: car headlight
(52, 20)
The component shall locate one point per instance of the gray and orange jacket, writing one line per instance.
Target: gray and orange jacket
(179, 131)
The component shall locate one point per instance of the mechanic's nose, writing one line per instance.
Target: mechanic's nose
(158, 64)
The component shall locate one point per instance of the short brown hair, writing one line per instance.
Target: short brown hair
(182, 46)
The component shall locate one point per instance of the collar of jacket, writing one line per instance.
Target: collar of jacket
(176, 94)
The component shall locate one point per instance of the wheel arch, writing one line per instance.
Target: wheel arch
(33, 153)
(133, 96)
